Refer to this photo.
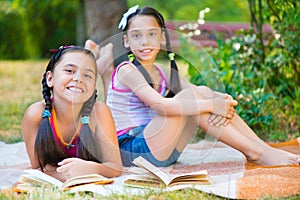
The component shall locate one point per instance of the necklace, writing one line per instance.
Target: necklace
(70, 144)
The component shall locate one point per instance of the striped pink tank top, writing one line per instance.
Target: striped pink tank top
(127, 109)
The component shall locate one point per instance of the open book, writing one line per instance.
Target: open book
(151, 176)
(32, 179)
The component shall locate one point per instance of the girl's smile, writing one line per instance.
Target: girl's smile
(75, 89)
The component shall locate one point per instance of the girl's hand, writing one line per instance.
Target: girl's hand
(224, 106)
(218, 120)
(71, 167)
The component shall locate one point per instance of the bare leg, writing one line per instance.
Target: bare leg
(164, 134)
(252, 147)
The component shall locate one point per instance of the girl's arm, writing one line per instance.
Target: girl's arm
(106, 133)
(184, 103)
(111, 165)
(30, 126)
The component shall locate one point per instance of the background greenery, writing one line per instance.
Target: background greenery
(260, 70)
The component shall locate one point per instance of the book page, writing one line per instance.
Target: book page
(144, 181)
(86, 179)
(40, 176)
(143, 163)
(200, 177)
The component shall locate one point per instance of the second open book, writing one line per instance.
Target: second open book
(151, 176)
(33, 179)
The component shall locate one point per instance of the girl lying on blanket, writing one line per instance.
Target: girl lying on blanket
(71, 133)
(156, 112)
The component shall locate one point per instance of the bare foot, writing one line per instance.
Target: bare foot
(292, 146)
(93, 47)
(105, 61)
(103, 55)
(272, 156)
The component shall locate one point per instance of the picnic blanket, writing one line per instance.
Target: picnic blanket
(232, 176)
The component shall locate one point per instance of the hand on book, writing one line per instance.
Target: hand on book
(71, 167)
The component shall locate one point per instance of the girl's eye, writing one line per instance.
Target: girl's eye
(88, 76)
(136, 36)
(152, 34)
(69, 71)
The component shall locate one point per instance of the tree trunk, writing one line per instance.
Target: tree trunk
(102, 18)
(81, 33)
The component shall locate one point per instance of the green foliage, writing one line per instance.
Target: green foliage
(11, 32)
(233, 10)
(29, 28)
(266, 87)
(50, 23)
(285, 19)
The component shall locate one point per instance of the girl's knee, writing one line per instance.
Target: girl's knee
(204, 90)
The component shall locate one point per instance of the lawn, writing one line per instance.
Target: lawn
(19, 87)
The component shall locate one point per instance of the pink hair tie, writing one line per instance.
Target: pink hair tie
(61, 47)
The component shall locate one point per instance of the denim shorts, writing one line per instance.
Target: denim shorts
(133, 144)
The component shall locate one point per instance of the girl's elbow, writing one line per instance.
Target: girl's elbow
(161, 108)
(115, 172)
(118, 173)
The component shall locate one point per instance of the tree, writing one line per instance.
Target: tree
(102, 17)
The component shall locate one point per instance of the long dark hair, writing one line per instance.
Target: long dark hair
(174, 85)
(46, 148)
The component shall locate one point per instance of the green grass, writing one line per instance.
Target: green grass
(20, 86)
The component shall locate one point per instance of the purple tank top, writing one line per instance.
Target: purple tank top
(71, 150)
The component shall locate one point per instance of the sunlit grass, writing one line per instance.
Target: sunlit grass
(53, 193)
(19, 87)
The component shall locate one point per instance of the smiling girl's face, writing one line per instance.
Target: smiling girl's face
(144, 37)
(74, 77)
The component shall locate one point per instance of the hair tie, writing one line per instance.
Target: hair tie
(46, 113)
(171, 56)
(85, 120)
(123, 22)
(131, 57)
(57, 52)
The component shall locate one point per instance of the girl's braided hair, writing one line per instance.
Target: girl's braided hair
(46, 148)
(174, 86)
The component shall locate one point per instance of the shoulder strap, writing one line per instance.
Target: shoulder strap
(144, 72)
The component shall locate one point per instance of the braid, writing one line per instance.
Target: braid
(174, 80)
(89, 104)
(87, 146)
(46, 94)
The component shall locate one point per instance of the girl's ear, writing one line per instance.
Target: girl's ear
(125, 40)
(163, 39)
(49, 79)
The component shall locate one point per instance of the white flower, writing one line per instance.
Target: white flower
(123, 21)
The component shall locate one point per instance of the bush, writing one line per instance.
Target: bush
(11, 33)
(265, 80)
